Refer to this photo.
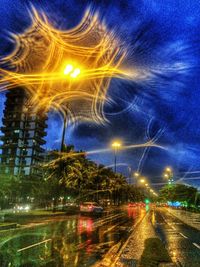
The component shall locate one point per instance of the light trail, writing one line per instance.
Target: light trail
(70, 70)
(189, 172)
(34, 245)
(189, 178)
(106, 150)
(117, 164)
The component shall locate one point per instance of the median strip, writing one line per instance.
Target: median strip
(34, 245)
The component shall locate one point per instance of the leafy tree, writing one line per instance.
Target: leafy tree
(178, 192)
(135, 194)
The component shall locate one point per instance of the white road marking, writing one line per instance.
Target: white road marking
(196, 245)
(183, 235)
(34, 245)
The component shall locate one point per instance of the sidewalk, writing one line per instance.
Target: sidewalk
(189, 218)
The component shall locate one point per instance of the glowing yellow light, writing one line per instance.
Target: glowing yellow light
(142, 180)
(168, 169)
(116, 144)
(136, 174)
(68, 69)
(75, 73)
(146, 184)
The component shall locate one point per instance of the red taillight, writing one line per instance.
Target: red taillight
(90, 207)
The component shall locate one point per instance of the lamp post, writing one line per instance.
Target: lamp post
(136, 175)
(70, 72)
(129, 174)
(115, 145)
(168, 173)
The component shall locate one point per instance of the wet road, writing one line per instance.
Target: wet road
(73, 241)
(182, 240)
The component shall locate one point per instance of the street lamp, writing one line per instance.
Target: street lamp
(73, 72)
(115, 145)
(168, 173)
(136, 175)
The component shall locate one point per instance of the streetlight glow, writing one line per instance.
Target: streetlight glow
(116, 144)
(68, 69)
(75, 73)
(168, 169)
(142, 180)
(168, 173)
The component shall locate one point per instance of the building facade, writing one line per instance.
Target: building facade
(23, 135)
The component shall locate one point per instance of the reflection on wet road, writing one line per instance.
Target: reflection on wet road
(73, 241)
(182, 240)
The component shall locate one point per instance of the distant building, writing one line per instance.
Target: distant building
(23, 132)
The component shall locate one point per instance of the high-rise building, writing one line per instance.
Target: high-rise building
(23, 132)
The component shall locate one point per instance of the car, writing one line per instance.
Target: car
(90, 207)
(136, 204)
(132, 204)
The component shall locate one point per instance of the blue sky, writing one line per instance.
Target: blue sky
(163, 38)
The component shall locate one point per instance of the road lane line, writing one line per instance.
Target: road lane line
(183, 235)
(196, 245)
(111, 228)
(34, 245)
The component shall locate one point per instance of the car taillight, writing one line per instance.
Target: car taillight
(90, 207)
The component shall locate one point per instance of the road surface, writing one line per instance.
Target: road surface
(182, 240)
(78, 241)
(72, 241)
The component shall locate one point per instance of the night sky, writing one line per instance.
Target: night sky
(163, 39)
